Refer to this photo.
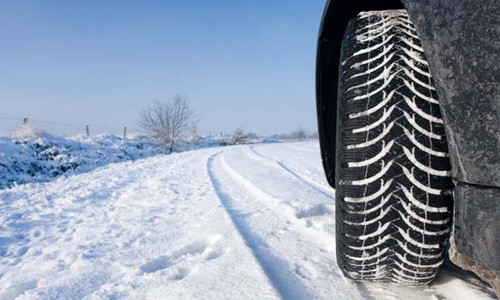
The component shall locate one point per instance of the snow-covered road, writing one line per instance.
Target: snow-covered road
(242, 222)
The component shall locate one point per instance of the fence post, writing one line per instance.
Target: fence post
(25, 121)
(87, 130)
(125, 132)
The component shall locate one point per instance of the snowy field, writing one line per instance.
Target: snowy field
(239, 222)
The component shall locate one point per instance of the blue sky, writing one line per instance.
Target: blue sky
(240, 63)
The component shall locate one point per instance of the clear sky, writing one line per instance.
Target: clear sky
(241, 63)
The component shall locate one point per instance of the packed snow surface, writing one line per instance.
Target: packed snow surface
(239, 222)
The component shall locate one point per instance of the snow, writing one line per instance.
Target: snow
(29, 155)
(236, 222)
(40, 157)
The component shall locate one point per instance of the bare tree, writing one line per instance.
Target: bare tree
(300, 134)
(167, 121)
(240, 137)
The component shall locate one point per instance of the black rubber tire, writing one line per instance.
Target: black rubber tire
(393, 171)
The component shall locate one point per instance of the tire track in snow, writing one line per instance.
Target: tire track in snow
(274, 267)
(299, 257)
(288, 170)
(291, 213)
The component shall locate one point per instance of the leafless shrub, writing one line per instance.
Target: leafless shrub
(240, 137)
(299, 134)
(167, 121)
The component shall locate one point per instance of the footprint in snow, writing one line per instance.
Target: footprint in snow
(215, 254)
(305, 270)
(314, 211)
(21, 251)
(157, 264)
(187, 253)
(181, 273)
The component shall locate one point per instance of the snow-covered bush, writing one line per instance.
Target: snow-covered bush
(240, 137)
(27, 131)
(33, 157)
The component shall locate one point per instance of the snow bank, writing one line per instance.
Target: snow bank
(29, 155)
(39, 157)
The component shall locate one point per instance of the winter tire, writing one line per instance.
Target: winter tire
(392, 169)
